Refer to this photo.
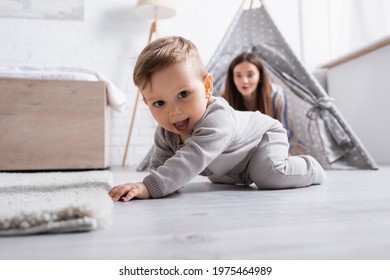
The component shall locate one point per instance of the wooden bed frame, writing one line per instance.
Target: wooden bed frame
(53, 125)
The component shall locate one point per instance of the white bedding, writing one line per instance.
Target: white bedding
(116, 98)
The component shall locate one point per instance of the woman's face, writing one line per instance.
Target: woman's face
(246, 77)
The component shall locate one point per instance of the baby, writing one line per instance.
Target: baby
(201, 134)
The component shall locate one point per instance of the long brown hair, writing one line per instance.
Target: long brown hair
(263, 90)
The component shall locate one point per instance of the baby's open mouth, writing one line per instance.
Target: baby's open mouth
(182, 125)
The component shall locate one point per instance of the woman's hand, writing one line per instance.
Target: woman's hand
(129, 191)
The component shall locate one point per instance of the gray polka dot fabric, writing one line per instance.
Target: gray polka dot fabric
(317, 127)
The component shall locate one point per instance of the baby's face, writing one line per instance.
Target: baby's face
(177, 97)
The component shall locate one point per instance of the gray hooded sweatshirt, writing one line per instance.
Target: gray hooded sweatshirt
(223, 140)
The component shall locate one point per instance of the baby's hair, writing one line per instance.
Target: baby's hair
(162, 53)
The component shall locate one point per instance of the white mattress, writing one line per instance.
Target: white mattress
(116, 98)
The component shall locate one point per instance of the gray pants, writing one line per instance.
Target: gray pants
(270, 167)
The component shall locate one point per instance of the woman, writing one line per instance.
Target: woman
(248, 88)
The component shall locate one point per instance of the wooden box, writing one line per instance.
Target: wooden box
(53, 125)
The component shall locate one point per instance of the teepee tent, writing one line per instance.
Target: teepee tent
(317, 127)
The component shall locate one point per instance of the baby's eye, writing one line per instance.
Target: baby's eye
(159, 103)
(183, 94)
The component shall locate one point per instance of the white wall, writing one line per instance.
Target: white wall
(362, 93)
(334, 28)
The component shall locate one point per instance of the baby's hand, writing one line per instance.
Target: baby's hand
(128, 191)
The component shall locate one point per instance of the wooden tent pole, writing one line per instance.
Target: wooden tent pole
(153, 30)
(131, 128)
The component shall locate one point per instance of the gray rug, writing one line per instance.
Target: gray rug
(54, 202)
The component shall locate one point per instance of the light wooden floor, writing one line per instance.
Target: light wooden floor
(348, 217)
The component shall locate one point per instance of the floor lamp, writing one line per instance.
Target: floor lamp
(155, 10)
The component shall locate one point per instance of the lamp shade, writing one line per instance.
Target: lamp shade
(156, 9)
